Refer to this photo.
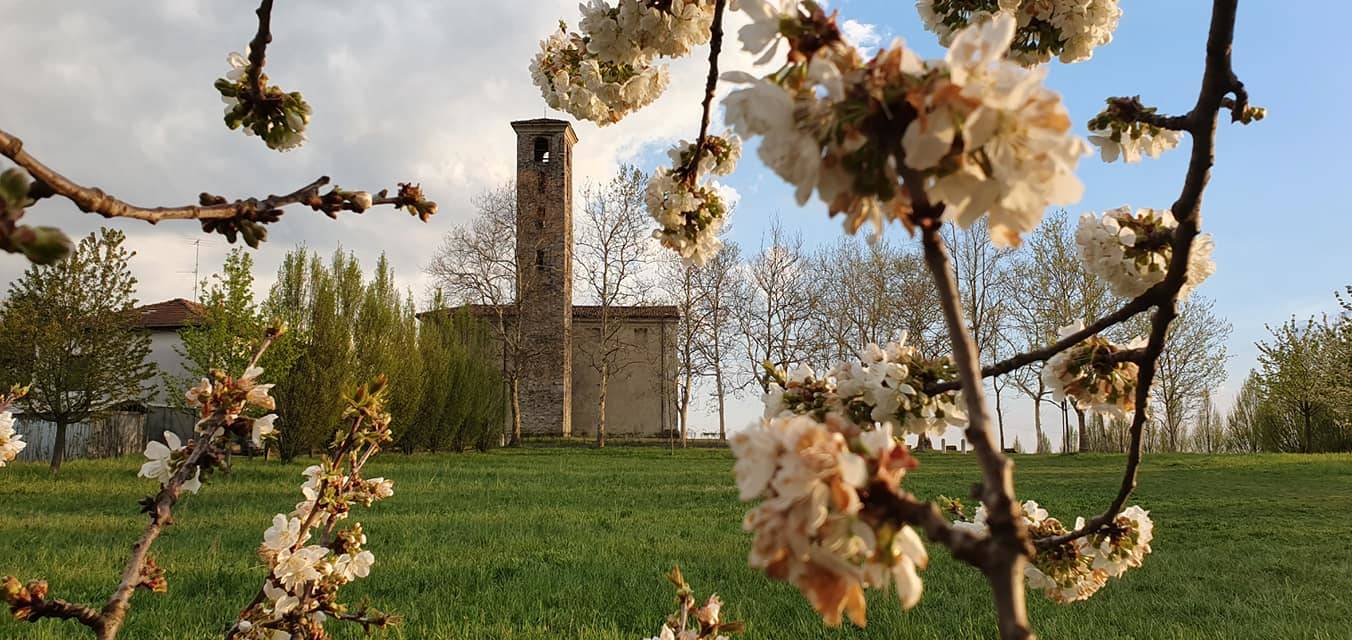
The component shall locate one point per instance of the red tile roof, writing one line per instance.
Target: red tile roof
(170, 314)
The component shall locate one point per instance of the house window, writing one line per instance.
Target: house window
(540, 259)
(640, 333)
(542, 150)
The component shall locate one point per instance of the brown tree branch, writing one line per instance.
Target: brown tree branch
(258, 48)
(710, 88)
(95, 200)
(886, 506)
(1218, 81)
(1139, 304)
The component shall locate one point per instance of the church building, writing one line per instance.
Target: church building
(560, 385)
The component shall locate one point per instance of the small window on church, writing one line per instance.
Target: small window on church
(540, 259)
(540, 218)
(640, 333)
(542, 150)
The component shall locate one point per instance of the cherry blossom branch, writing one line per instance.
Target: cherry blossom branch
(227, 217)
(1008, 543)
(140, 572)
(889, 506)
(711, 83)
(1137, 305)
(1218, 81)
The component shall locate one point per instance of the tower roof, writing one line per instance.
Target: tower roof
(545, 125)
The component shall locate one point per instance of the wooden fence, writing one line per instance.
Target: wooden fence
(119, 433)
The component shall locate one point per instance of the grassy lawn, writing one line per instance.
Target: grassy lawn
(551, 543)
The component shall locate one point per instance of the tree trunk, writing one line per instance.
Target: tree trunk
(601, 408)
(685, 410)
(1084, 433)
(59, 447)
(1000, 417)
(722, 416)
(1037, 425)
(516, 411)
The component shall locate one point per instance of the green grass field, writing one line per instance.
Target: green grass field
(572, 543)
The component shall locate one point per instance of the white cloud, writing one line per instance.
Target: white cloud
(862, 35)
(120, 97)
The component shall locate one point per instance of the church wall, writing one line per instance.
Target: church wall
(639, 395)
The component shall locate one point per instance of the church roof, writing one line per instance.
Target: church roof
(170, 314)
(583, 312)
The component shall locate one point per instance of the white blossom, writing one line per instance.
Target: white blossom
(1067, 29)
(1132, 251)
(296, 568)
(160, 465)
(574, 80)
(809, 528)
(1088, 374)
(262, 428)
(1133, 142)
(284, 534)
(352, 566)
(10, 442)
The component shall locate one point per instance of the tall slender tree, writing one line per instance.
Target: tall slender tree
(717, 286)
(614, 247)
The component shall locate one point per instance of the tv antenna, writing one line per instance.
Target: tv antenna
(196, 267)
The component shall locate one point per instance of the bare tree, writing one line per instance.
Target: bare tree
(872, 292)
(982, 272)
(775, 306)
(679, 284)
(477, 265)
(1192, 364)
(1242, 432)
(716, 284)
(1208, 434)
(614, 247)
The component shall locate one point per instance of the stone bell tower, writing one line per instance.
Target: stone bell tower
(544, 258)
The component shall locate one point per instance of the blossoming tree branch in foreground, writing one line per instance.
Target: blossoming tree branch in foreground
(11, 443)
(301, 590)
(277, 117)
(922, 142)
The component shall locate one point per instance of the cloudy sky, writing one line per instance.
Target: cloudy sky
(117, 94)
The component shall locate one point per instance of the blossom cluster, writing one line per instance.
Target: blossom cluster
(276, 116)
(1096, 374)
(1123, 130)
(1132, 251)
(1076, 570)
(644, 29)
(822, 447)
(979, 133)
(308, 555)
(886, 385)
(810, 528)
(693, 621)
(575, 81)
(690, 212)
(11, 443)
(1067, 29)
(221, 401)
(608, 70)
